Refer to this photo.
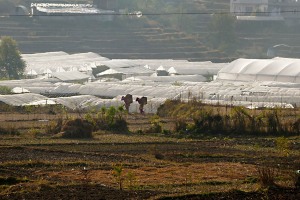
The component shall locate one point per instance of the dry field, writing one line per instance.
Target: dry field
(141, 166)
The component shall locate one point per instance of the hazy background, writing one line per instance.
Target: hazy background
(196, 30)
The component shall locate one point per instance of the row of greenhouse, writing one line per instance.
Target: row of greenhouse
(88, 79)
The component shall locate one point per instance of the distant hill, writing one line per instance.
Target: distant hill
(163, 35)
(125, 37)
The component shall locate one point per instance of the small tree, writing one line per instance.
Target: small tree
(11, 64)
(118, 174)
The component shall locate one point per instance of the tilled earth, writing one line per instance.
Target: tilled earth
(153, 167)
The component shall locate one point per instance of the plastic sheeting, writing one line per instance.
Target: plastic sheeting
(21, 99)
(70, 76)
(182, 67)
(248, 94)
(167, 79)
(217, 90)
(277, 69)
(247, 82)
(53, 61)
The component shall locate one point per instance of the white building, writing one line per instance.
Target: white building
(64, 11)
(266, 10)
(247, 7)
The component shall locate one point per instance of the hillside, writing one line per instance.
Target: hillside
(163, 36)
(111, 39)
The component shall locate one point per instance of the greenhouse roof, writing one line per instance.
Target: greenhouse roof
(243, 81)
(183, 67)
(21, 99)
(60, 60)
(237, 93)
(167, 79)
(70, 76)
(278, 69)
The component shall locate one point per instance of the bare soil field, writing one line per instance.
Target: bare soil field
(142, 166)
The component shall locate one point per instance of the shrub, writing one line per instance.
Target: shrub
(110, 119)
(266, 176)
(119, 125)
(210, 119)
(77, 128)
(54, 127)
(156, 126)
(180, 125)
(5, 90)
(33, 132)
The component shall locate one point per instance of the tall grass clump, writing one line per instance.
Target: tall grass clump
(273, 122)
(266, 176)
(201, 118)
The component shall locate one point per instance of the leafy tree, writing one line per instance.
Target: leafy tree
(222, 28)
(11, 64)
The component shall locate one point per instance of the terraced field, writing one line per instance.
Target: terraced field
(110, 40)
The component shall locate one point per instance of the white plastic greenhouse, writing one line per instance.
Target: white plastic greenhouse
(277, 69)
(252, 83)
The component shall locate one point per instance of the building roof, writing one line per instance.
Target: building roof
(60, 8)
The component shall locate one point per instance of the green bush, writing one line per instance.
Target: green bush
(110, 119)
(5, 90)
(54, 127)
(156, 125)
